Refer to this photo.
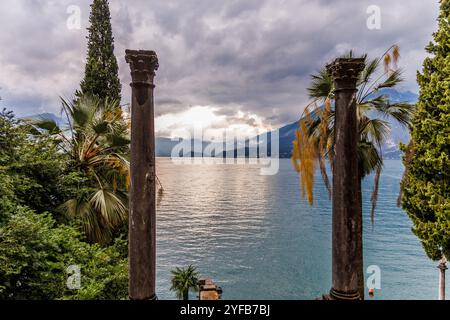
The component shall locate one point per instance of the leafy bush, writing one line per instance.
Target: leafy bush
(36, 247)
(35, 255)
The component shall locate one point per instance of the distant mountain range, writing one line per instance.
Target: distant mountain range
(399, 134)
(164, 146)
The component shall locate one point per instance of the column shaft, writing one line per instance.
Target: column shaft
(142, 215)
(347, 221)
(442, 267)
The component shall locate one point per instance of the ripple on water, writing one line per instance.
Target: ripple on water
(257, 239)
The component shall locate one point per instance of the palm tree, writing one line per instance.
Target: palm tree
(314, 142)
(97, 143)
(184, 280)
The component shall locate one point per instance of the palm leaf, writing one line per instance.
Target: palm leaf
(374, 198)
(80, 210)
(368, 72)
(112, 209)
(374, 130)
(321, 85)
(369, 157)
(393, 80)
(402, 112)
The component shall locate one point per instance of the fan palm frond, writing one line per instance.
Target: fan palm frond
(112, 209)
(394, 79)
(321, 85)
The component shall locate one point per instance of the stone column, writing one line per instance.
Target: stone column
(142, 215)
(347, 222)
(442, 267)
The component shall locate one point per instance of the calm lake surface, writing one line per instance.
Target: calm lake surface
(258, 239)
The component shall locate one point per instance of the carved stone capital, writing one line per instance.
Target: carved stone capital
(443, 265)
(143, 64)
(345, 72)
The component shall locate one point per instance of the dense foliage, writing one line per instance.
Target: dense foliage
(37, 244)
(426, 184)
(35, 255)
(101, 72)
(32, 166)
(96, 143)
(64, 188)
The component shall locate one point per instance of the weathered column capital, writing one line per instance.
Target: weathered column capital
(143, 64)
(443, 264)
(345, 72)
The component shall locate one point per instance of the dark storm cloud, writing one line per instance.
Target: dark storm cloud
(168, 101)
(168, 105)
(253, 56)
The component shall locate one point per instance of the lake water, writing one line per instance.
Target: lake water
(257, 239)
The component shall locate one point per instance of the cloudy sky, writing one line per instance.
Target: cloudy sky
(225, 63)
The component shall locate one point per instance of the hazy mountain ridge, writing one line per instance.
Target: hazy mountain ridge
(164, 146)
(390, 150)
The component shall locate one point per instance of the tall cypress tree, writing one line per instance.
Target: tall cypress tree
(426, 184)
(101, 73)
